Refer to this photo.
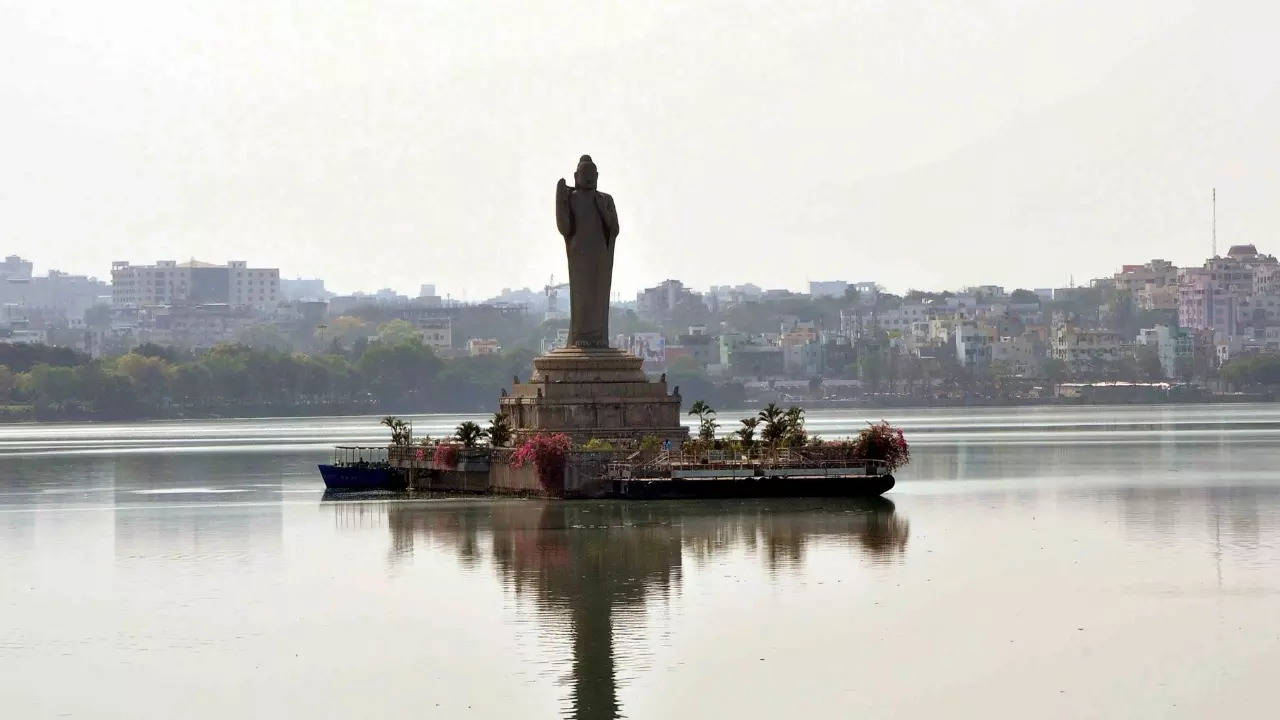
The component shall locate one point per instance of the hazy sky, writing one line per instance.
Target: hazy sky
(919, 144)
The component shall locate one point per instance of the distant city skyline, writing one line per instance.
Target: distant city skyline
(443, 290)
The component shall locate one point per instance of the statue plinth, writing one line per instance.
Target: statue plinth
(575, 364)
(593, 393)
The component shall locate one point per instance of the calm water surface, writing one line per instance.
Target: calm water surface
(1039, 562)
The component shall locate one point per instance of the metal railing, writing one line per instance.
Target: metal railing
(664, 462)
(423, 456)
(361, 455)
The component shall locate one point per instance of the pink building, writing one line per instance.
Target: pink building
(1222, 295)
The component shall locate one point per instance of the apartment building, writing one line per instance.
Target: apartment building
(195, 283)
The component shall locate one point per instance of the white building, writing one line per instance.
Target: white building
(1170, 344)
(195, 283)
(866, 291)
(300, 289)
(827, 288)
(973, 343)
(483, 346)
(961, 302)
(987, 291)
(437, 333)
(735, 293)
(903, 317)
(15, 268)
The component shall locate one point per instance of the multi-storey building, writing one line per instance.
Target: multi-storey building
(1204, 303)
(900, 318)
(1133, 278)
(303, 289)
(799, 333)
(702, 348)
(729, 341)
(828, 288)
(656, 303)
(1019, 354)
(1173, 346)
(1270, 338)
(1087, 350)
(15, 268)
(973, 343)
(483, 346)
(195, 326)
(733, 294)
(195, 283)
(990, 292)
(802, 360)
(436, 333)
(1153, 286)
(1258, 310)
(1157, 297)
(57, 295)
(852, 322)
(757, 360)
(1219, 295)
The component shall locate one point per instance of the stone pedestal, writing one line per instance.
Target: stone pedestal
(593, 393)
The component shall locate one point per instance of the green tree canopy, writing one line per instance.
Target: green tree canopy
(397, 371)
(1262, 369)
(398, 332)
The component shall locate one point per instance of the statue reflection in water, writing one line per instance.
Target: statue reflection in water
(592, 561)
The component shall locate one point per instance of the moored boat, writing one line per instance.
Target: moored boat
(362, 468)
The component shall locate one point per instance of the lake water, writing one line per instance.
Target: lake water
(1034, 562)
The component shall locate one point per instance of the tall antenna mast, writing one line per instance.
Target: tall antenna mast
(1215, 222)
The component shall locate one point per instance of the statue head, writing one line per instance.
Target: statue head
(585, 176)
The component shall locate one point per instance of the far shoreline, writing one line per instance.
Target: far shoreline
(750, 408)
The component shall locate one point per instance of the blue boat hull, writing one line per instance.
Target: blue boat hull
(346, 477)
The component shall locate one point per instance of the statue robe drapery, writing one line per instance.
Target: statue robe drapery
(588, 221)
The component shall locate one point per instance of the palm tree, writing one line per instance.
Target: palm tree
(795, 432)
(775, 424)
(795, 415)
(499, 431)
(707, 428)
(747, 433)
(468, 433)
(701, 409)
(401, 431)
(706, 420)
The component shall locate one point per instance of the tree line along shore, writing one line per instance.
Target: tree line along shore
(393, 373)
(388, 374)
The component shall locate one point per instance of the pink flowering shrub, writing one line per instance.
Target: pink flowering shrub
(882, 441)
(548, 453)
(446, 456)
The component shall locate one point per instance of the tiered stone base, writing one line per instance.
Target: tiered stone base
(592, 393)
